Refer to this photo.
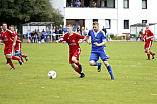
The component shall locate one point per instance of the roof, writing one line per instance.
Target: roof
(141, 24)
(38, 24)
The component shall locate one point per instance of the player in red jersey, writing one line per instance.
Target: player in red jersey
(74, 49)
(17, 47)
(10, 40)
(148, 42)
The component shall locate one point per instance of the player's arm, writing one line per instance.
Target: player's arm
(85, 39)
(62, 39)
(100, 44)
(15, 39)
(151, 36)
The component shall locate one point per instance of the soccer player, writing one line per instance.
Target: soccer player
(148, 42)
(98, 40)
(74, 49)
(17, 47)
(10, 41)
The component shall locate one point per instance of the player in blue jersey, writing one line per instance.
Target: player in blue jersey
(98, 41)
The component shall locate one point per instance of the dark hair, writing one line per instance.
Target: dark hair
(4, 23)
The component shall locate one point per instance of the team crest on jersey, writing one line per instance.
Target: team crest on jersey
(73, 40)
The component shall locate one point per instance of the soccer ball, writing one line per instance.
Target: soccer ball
(52, 74)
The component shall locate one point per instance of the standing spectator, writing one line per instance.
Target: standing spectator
(83, 31)
(39, 35)
(47, 31)
(65, 29)
(71, 3)
(78, 3)
(86, 30)
(28, 35)
(79, 29)
(33, 37)
(74, 30)
(104, 30)
(93, 4)
(35, 32)
(16, 30)
(60, 29)
(57, 32)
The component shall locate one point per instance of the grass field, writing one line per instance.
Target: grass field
(135, 77)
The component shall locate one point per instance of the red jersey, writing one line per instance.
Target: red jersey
(18, 39)
(8, 37)
(72, 40)
(148, 33)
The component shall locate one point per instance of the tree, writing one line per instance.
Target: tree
(17, 12)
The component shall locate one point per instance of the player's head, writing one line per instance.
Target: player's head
(95, 26)
(69, 29)
(12, 28)
(147, 25)
(4, 26)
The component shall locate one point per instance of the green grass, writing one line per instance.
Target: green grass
(136, 78)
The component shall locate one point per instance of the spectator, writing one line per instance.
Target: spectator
(33, 37)
(93, 4)
(16, 29)
(78, 3)
(74, 30)
(38, 36)
(104, 30)
(60, 29)
(57, 32)
(83, 31)
(71, 3)
(0, 29)
(28, 35)
(44, 35)
(65, 29)
(79, 29)
(47, 31)
(86, 30)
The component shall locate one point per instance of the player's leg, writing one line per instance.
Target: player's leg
(93, 60)
(74, 66)
(104, 59)
(9, 61)
(74, 59)
(108, 66)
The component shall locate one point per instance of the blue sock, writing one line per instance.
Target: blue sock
(110, 70)
(16, 54)
(97, 64)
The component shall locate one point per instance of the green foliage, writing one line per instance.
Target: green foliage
(135, 77)
(17, 12)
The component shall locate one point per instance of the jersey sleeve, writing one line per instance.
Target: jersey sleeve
(80, 36)
(151, 34)
(103, 37)
(89, 33)
(64, 37)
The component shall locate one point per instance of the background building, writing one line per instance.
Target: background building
(115, 15)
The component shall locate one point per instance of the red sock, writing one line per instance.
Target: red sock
(23, 55)
(151, 53)
(15, 58)
(21, 58)
(148, 54)
(77, 70)
(10, 62)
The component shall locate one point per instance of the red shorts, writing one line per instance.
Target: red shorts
(8, 50)
(18, 47)
(75, 53)
(148, 45)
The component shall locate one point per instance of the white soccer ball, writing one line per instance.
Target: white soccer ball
(52, 74)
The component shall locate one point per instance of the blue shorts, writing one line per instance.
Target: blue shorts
(95, 56)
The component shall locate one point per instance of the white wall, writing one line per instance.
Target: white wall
(135, 14)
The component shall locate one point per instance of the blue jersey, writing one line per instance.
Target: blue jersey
(98, 37)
